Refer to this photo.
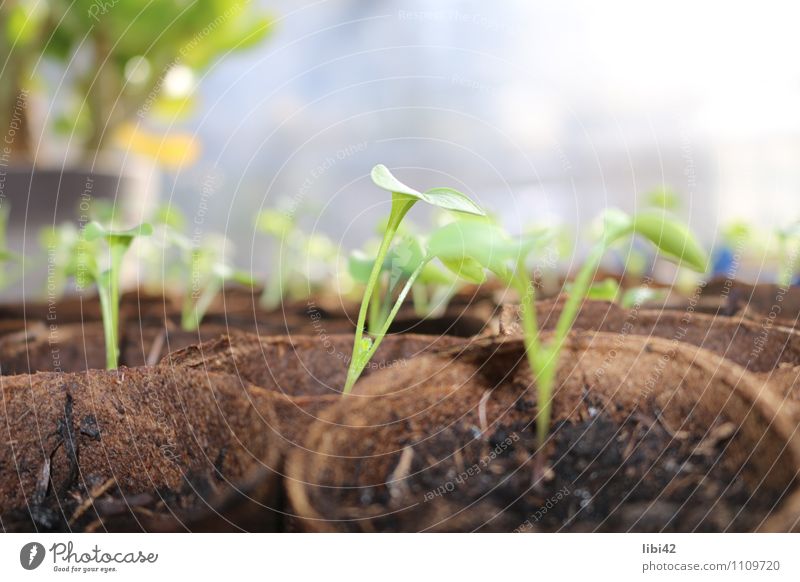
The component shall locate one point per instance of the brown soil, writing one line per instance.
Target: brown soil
(136, 449)
(780, 304)
(647, 435)
(300, 365)
(762, 346)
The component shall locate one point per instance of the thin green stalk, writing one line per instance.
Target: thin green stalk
(109, 329)
(194, 311)
(273, 291)
(400, 207)
(420, 299)
(378, 337)
(580, 288)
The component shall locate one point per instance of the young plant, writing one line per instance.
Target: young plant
(397, 268)
(209, 269)
(300, 259)
(403, 199)
(86, 267)
(58, 243)
(788, 251)
(6, 255)
(487, 246)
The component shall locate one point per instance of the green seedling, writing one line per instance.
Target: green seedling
(606, 290)
(300, 261)
(86, 268)
(403, 199)
(209, 269)
(162, 253)
(788, 239)
(6, 255)
(432, 287)
(59, 244)
(609, 290)
(479, 246)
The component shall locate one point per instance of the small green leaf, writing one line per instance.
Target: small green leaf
(383, 178)
(274, 222)
(446, 198)
(606, 290)
(672, 238)
(359, 266)
(450, 199)
(466, 268)
(483, 242)
(94, 231)
(612, 225)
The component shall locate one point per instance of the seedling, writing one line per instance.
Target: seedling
(86, 268)
(59, 244)
(397, 268)
(787, 253)
(403, 199)
(487, 246)
(294, 250)
(161, 255)
(6, 255)
(208, 269)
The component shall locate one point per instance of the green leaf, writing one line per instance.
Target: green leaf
(672, 238)
(483, 242)
(446, 198)
(606, 290)
(274, 222)
(359, 266)
(613, 224)
(94, 231)
(466, 268)
(383, 178)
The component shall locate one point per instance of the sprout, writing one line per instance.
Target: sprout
(161, 253)
(294, 249)
(470, 246)
(397, 268)
(403, 199)
(208, 270)
(58, 243)
(787, 255)
(6, 255)
(86, 268)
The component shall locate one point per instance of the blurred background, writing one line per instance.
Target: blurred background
(544, 112)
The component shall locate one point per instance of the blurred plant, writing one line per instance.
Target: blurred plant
(403, 199)
(59, 244)
(6, 255)
(96, 246)
(301, 261)
(788, 253)
(208, 268)
(125, 58)
(161, 253)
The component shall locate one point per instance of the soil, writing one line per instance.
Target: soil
(763, 347)
(136, 449)
(636, 445)
(780, 304)
(300, 365)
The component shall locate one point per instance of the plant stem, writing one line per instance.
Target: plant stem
(378, 337)
(274, 289)
(400, 207)
(420, 298)
(194, 311)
